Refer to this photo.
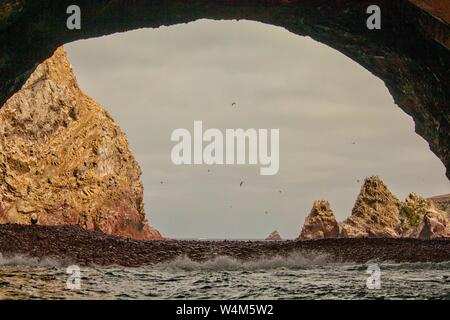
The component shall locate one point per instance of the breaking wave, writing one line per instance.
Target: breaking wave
(23, 260)
(225, 263)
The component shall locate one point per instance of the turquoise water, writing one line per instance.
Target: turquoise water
(294, 277)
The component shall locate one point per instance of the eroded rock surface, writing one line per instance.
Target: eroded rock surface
(320, 223)
(274, 236)
(378, 213)
(375, 213)
(63, 160)
(410, 53)
(71, 244)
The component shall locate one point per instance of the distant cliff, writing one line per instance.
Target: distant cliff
(378, 213)
(63, 160)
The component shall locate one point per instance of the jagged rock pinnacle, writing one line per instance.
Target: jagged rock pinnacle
(63, 160)
(320, 223)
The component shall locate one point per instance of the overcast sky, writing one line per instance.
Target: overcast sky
(338, 124)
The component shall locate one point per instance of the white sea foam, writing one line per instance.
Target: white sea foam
(293, 261)
(23, 260)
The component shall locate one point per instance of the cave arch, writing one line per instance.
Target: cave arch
(410, 53)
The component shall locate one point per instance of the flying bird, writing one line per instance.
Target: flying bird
(242, 182)
(233, 104)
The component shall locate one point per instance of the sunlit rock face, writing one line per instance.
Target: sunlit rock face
(410, 53)
(63, 160)
(442, 202)
(412, 212)
(378, 213)
(375, 213)
(320, 223)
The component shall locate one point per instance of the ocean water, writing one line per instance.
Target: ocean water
(293, 277)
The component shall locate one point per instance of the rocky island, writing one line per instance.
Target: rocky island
(70, 188)
(63, 160)
(274, 236)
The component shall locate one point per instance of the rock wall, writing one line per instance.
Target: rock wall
(420, 218)
(442, 202)
(63, 160)
(378, 213)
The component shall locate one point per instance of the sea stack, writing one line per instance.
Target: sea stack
(375, 213)
(420, 218)
(320, 223)
(274, 236)
(442, 202)
(63, 160)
